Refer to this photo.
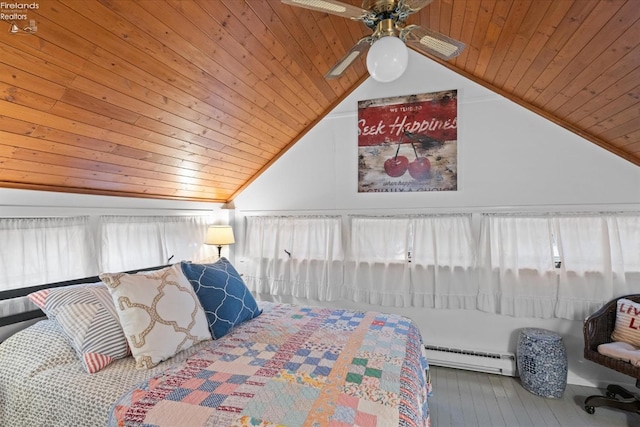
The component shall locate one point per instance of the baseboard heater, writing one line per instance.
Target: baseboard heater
(472, 360)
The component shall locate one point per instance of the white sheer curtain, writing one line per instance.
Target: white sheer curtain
(597, 254)
(420, 261)
(526, 265)
(519, 276)
(184, 237)
(297, 256)
(377, 269)
(43, 250)
(443, 262)
(130, 242)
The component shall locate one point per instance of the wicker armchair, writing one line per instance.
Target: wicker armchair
(597, 330)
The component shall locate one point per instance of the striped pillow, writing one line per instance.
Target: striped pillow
(89, 321)
(627, 327)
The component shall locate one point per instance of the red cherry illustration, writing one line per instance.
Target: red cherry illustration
(420, 168)
(396, 166)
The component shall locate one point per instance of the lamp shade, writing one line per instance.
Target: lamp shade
(387, 59)
(219, 235)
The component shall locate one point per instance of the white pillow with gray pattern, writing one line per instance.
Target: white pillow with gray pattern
(159, 313)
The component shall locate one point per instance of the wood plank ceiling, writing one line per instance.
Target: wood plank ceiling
(193, 99)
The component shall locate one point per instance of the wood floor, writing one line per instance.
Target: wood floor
(465, 398)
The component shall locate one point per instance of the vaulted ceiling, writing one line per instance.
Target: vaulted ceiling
(193, 99)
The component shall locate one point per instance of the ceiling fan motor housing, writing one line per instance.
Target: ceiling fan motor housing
(380, 6)
(383, 10)
(386, 27)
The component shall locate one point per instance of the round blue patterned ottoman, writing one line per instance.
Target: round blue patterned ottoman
(542, 362)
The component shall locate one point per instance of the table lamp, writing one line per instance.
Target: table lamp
(219, 235)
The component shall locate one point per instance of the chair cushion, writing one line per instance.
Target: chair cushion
(627, 327)
(621, 351)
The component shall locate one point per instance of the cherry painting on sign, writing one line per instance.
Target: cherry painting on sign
(408, 143)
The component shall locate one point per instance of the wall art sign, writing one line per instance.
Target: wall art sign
(408, 143)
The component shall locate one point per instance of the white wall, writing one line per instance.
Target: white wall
(509, 159)
(31, 203)
(507, 156)
(16, 203)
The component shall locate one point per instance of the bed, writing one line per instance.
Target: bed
(282, 365)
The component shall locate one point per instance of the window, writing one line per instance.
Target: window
(556, 265)
(380, 239)
(443, 240)
(526, 265)
(298, 256)
(130, 242)
(41, 250)
(294, 237)
(423, 261)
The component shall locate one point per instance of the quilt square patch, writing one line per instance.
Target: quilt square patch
(214, 400)
(282, 403)
(209, 385)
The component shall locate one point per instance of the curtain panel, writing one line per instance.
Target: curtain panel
(43, 250)
(444, 270)
(427, 261)
(419, 261)
(377, 269)
(518, 275)
(294, 256)
(600, 260)
(560, 265)
(130, 242)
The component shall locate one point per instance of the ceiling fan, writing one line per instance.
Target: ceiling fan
(386, 19)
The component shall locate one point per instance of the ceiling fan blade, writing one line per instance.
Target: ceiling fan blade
(333, 7)
(431, 42)
(412, 6)
(341, 66)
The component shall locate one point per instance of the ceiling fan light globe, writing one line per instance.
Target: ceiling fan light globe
(387, 59)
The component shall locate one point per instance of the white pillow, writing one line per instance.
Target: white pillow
(627, 327)
(159, 313)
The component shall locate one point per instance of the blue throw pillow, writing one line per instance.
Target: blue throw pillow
(226, 300)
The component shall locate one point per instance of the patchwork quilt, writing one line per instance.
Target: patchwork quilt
(292, 366)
